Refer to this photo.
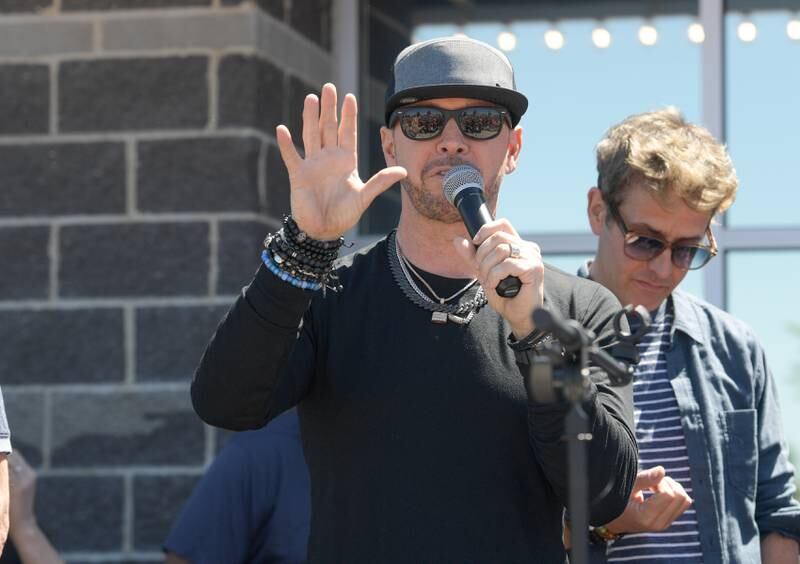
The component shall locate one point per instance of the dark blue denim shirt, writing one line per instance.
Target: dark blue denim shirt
(742, 478)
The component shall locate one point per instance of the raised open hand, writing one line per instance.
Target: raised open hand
(327, 194)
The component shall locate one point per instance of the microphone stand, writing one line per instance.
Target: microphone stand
(574, 384)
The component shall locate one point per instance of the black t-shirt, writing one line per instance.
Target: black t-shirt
(419, 438)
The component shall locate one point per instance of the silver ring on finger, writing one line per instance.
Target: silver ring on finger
(514, 251)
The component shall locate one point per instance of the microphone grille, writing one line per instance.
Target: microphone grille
(460, 177)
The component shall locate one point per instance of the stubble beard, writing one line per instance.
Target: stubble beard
(429, 200)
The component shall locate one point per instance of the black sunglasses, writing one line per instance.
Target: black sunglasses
(424, 122)
(645, 248)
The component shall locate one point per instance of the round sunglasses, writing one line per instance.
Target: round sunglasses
(421, 123)
(646, 248)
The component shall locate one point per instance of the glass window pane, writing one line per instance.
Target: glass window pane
(693, 283)
(762, 122)
(775, 316)
(569, 263)
(575, 94)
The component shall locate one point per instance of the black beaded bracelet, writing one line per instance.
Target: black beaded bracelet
(301, 258)
(284, 254)
(528, 342)
(295, 235)
(311, 260)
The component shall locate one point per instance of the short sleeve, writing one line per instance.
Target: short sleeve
(214, 525)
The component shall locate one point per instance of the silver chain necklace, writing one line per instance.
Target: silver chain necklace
(418, 276)
(442, 312)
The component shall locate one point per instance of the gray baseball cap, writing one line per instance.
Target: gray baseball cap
(454, 67)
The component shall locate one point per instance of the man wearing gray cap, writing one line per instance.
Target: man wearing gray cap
(421, 442)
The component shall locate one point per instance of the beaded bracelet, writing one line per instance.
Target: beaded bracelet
(286, 277)
(295, 235)
(297, 261)
(296, 258)
(309, 258)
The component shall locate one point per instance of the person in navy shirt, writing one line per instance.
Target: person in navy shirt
(252, 505)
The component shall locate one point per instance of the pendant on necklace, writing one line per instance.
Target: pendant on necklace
(459, 320)
(439, 317)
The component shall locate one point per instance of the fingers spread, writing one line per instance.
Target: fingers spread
(380, 182)
(291, 158)
(328, 123)
(349, 125)
(311, 140)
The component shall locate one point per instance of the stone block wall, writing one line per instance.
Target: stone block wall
(138, 175)
(386, 30)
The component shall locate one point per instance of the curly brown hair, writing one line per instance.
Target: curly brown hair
(664, 152)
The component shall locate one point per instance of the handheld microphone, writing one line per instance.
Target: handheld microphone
(463, 187)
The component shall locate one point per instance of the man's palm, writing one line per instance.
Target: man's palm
(327, 194)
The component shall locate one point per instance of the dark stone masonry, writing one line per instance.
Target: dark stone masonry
(138, 183)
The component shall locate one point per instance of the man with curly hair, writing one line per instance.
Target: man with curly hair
(715, 481)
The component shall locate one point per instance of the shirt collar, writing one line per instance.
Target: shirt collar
(583, 271)
(684, 314)
(685, 319)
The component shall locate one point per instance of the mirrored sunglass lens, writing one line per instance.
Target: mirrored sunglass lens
(644, 248)
(422, 123)
(481, 123)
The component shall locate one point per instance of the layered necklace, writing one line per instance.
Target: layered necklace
(404, 274)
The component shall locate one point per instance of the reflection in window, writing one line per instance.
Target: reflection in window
(576, 92)
(762, 122)
(775, 317)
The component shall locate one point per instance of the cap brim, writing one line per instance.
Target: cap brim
(513, 101)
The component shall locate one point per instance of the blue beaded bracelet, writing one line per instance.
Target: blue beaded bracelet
(285, 276)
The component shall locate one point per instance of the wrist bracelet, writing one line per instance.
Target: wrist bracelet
(528, 342)
(300, 260)
(296, 235)
(287, 277)
(602, 536)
